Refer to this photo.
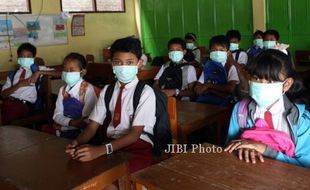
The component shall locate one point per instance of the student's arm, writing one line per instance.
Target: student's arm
(7, 89)
(52, 73)
(158, 75)
(218, 89)
(232, 61)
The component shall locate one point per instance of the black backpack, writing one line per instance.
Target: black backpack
(162, 131)
(190, 56)
(172, 76)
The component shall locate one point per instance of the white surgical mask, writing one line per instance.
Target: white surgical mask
(265, 94)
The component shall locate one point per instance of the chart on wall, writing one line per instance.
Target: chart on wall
(43, 30)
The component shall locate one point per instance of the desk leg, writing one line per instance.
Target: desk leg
(138, 186)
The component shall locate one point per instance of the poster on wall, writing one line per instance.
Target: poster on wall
(77, 25)
(41, 31)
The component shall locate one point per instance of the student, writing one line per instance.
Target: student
(272, 112)
(19, 92)
(193, 52)
(238, 54)
(125, 129)
(75, 100)
(257, 44)
(177, 77)
(271, 38)
(219, 78)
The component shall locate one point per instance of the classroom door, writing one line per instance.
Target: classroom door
(162, 20)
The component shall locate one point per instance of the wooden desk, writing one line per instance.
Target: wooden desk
(221, 171)
(192, 116)
(148, 72)
(33, 160)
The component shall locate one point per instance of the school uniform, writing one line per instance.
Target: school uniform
(196, 52)
(243, 57)
(19, 103)
(290, 118)
(232, 75)
(143, 116)
(88, 100)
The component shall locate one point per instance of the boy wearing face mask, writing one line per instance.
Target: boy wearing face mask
(124, 128)
(19, 92)
(257, 44)
(190, 39)
(217, 88)
(177, 77)
(276, 121)
(237, 54)
(75, 100)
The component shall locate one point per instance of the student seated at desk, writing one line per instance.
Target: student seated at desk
(124, 128)
(177, 77)
(238, 54)
(20, 90)
(192, 51)
(257, 45)
(217, 83)
(273, 122)
(75, 100)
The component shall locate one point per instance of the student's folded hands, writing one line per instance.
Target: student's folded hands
(23, 83)
(169, 92)
(84, 152)
(247, 150)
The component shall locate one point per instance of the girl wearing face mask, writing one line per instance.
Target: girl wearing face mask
(75, 100)
(277, 124)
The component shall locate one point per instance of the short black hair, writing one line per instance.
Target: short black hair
(190, 36)
(219, 39)
(179, 41)
(127, 45)
(258, 32)
(28, 47)
(233, 34)
(272, 32)
(76, 56)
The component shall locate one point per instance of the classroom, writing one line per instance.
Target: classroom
(154, 94)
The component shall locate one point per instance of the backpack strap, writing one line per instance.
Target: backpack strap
(83, 89)
(227, 68)
(137, 94)
(11, 76)
(34, 68)
(243, 112)
(184, 76)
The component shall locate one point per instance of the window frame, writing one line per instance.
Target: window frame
(96, 10)
(20, 12)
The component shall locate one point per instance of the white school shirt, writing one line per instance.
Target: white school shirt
(196, 52)
(28, 93)
(90, 100)
(232, 75)
(243, 57)
(278, 119)
(191, 75)
(144, 115)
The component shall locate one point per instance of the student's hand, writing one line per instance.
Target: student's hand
(169, 92)
(56, 126)
(23, 83)
(249, 155)
(88, 152)
(230, 58)
(202, 89)
(79, 123)
(71, 148)
(35, 76)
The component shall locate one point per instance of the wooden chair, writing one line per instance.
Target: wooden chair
(90, 58)
(172, 110)
(106, 54)
(99, 74)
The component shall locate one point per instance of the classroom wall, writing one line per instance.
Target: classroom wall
(162, 20)
(259, 15)
(101, 30)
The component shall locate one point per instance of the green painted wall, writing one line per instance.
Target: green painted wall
(164, 19)
(292, 19)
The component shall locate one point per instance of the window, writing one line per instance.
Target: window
(74, 6)
(15, 6)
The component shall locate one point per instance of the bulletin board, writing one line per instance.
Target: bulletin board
(43, 30)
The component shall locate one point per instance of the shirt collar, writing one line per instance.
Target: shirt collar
(75, 88)
(129, 85)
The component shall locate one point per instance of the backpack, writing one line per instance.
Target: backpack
(174, 76)
(39, 103)
(190, 56)
(162, 135)
(73, 108)
(242, 113)
(215, 73)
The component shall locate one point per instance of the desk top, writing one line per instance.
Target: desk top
(221, 171)
(33, 160)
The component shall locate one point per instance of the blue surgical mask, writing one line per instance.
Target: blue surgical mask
(265, 94)
(269, 44)
(233, 46)
(259, 43)
(190, 45)
(25, 62)
(176, 56)
(125, 73)
(71, 78)
(219, 56)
